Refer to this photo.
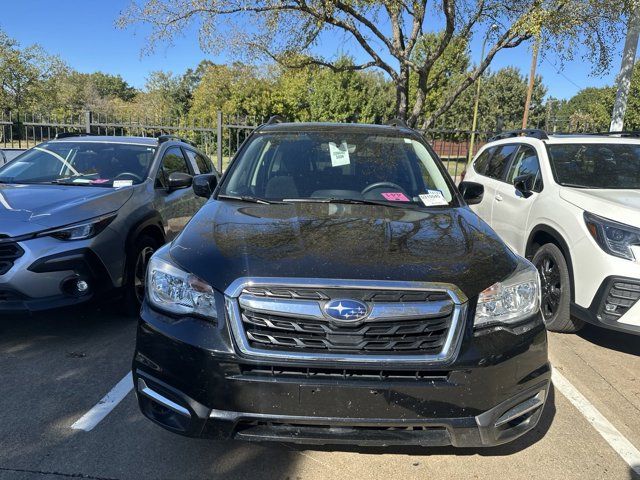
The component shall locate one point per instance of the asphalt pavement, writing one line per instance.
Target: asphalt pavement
(55, 368)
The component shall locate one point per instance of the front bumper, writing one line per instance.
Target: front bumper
(190, 380)
(616, 305)
(49, 282)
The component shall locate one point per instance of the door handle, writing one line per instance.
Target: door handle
(498, 197)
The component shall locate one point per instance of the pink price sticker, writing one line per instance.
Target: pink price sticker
(395, 197)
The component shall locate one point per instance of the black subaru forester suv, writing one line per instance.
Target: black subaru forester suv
(335, 289)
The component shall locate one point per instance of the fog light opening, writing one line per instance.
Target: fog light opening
(521, 412)
(76, 286)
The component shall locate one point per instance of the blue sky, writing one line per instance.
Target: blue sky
(84, 35)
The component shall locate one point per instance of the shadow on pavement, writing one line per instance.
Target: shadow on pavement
(611, 339)
(516, 446)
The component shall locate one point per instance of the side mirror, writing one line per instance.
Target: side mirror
(472, 192)
(179, 180)
(204, 185)
(525, 184)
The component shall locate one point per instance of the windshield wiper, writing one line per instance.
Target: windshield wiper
(350, 201)
(248, 198)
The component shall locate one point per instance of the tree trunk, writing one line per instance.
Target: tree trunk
(402, 93)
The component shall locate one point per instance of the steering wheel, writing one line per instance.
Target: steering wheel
(129, 174)
(373, 186)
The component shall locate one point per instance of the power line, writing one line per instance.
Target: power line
(562, 74)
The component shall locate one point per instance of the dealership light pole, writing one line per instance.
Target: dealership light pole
(477, 99)
(626, 71)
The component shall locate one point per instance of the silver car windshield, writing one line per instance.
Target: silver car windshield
(335, 166)
(81, 163)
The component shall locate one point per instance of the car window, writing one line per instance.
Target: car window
(596, 165)
(499, 160)
(337, 165)
(203, 163)
(482, 162)
(173, 161)
(526, 163)
(98, 164)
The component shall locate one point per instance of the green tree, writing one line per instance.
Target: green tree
(24, 74)
(590, 109)
(282, 30)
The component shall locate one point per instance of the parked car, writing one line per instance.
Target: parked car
(8, 154)
(81, 215)
(336, 288)
(571, 203)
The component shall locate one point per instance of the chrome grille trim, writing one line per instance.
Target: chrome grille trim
(312, 310)
(458, 305)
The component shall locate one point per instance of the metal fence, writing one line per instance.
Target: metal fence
(219, 137)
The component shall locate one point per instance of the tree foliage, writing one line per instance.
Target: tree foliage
(387, 33)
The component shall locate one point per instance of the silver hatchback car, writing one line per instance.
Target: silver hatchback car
(81, 216)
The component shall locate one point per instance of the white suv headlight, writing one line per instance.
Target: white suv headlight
(512, 299)
(176, 291)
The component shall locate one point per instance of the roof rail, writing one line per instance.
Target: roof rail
(397, 122)
(168, 138)
(276, 119)
(527, 132)
(630, 133)
(73, 134)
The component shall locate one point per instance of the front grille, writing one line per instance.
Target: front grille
(416, 324)
(621, 297)
(9, 253)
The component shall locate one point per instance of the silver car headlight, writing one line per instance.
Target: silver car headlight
(175, 291)
(511, 300)
(613, 237)
(81, 230)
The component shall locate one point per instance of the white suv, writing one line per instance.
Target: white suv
(571, 204)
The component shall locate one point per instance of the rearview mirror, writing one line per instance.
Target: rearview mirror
(525, 184)
(472, 192)
(204, 185)
(179, 180)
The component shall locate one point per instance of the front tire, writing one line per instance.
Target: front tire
(555, 284)
(137, 262)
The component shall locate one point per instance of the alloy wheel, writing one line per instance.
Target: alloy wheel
(551, 285)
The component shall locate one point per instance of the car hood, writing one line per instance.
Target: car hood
(620, 205)
(26, 209)
(228, 240)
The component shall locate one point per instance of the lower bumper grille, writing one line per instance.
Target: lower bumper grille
(622, 295)
(9, 253)
(282, 372)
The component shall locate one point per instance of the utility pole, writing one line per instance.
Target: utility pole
(626, 71)
(532, 79)
(474, 122)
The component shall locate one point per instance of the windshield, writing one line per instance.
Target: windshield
(337, 166)
(81, 163)
(596, 165)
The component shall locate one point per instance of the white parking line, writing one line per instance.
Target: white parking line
(100, 410)
(611, 434)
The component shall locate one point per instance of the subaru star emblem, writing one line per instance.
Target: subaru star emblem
(350, 311)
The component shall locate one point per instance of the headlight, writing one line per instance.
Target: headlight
(82, 230)
(613, 237)
(512, 299)
(177, 291)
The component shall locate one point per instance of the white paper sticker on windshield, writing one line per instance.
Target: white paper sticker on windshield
(122, 183)
(339, 154)
(433, 197)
